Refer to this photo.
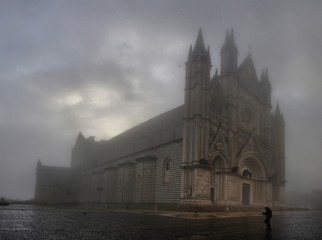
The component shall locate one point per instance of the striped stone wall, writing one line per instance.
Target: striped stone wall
(109, 185)
(145, 180)
(152, 176)
(125, 182)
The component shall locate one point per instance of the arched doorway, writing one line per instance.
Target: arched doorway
(218, 166)
(252, 173)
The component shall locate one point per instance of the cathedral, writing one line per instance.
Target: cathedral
(223, 147)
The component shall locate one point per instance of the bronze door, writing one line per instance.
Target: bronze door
(212, 195)
(246, 194)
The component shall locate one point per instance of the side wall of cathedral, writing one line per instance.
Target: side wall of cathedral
(146, 177)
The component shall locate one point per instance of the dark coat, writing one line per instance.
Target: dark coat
(268, 212)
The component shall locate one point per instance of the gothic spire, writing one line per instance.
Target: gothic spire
(227, 39)
(231, 38)
(199, 45)
(39, 166)
(190, 53)
(208, 53)
(228, 54)
(278, 115)
(80, 135)
(266, 75)
(80, 139)
(262, 76)
(265, 79)
(277, 110)
(229, 42)
(199, 51)
(225, 46)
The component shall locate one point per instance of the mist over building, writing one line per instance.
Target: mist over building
(224, 146)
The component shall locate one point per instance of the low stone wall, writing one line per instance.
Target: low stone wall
(183, 208)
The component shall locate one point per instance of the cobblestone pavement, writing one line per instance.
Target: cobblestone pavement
(34, 222)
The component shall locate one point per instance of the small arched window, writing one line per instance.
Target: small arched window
(139, 179)
(166, 170)
(167, 166)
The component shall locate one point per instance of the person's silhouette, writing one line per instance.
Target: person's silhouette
(268, 214)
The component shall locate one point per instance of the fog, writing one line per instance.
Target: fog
(101, 67)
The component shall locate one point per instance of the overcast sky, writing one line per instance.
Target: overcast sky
(100, 67)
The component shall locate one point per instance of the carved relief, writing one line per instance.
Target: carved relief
(250, 146)
(218, 143)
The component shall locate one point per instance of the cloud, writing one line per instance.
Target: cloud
(102, 67)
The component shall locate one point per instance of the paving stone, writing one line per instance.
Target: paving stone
(34, 222)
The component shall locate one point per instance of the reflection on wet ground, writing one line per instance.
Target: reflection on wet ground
(34, 222)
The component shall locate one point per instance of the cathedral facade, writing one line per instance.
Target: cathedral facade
(224, 146)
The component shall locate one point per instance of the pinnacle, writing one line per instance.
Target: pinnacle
(229, 42)
(266, 78)
(190, 53)
(200, 45)
(277, 110)
(231, 38)
(227, 38)
(80, 134)
(262, 76)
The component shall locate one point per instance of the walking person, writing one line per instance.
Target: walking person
(268, 214)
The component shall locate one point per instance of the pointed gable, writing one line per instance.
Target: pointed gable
(218, 143)
(80, 139)
(246, 71)
(250, 146)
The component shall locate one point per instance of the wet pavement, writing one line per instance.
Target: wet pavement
(34, 222)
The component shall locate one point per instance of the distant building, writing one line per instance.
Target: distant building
(56, 184)
(224, 146)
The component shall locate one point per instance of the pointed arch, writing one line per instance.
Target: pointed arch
(219, 165)
(251, 163)
(218, 160)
